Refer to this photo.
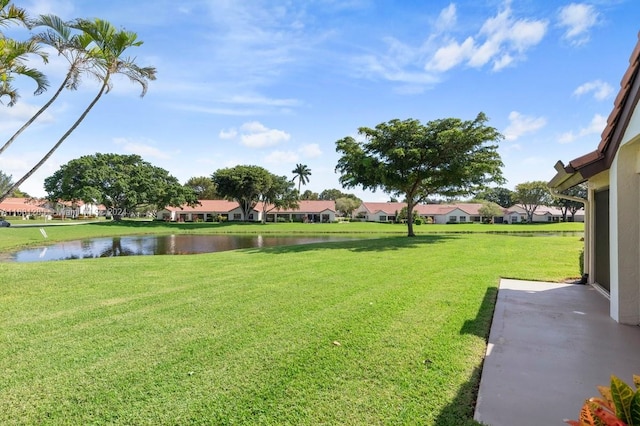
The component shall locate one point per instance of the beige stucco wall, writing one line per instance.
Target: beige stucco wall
(625, 226)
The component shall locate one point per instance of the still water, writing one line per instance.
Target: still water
(144, 245)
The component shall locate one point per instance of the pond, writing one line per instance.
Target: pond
(144, 245)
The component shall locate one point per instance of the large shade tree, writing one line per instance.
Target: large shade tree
(249, 185)
(500, 196)
(204, 188)
(571, 205)
(531, 195)
(104, 53)
(121, 183)
(278, 193)
(446, 157)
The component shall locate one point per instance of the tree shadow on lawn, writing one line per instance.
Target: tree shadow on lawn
(360, 245)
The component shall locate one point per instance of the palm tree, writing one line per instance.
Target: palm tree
(105, 55)
(302, 173)
(13, 55)
(72, 46)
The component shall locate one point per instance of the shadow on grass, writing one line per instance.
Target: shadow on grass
(360, 245)
(481, 324)
(461, 410)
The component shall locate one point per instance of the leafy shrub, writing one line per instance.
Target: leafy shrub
(581, 262)
(619, 405)
(417, 221)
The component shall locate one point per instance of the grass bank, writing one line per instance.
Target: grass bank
(386, 331)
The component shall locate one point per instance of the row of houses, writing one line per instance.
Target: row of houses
(460, 213)
(311, 211)
(325, 211)
(29, 207)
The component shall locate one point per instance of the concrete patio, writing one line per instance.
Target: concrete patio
(550, 345)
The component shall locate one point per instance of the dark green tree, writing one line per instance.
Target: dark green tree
(447, 157)
(279, 193)
(331, 194)
(500, 196)
(571, 206)
(490, 210)
(347, 205)
(531, 195)
(309, 195)
(334, 194)
(121, 183)
(204, 187)
(244, 184)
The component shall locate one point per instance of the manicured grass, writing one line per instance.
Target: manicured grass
(384, 331)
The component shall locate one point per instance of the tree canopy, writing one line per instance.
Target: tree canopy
(490, 210)
(530, 195)
(500, 196)
(446, 157)
(120, 182)
(204, 187)
(249, 185)
(347, 205)
(571, 206)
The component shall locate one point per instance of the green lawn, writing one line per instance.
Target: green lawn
(383, 331)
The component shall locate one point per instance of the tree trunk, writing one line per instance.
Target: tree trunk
(62, 139)
(410, 205)
(36, 115)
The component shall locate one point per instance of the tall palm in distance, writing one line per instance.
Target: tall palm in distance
(14, 54)
(71, 46)
(302, 173)
(105, 56)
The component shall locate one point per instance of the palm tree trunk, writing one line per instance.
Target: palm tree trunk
(36, 115)
(62, 139)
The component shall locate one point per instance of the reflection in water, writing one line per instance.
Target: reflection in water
(159, 244)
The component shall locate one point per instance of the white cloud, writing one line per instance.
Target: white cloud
(595, 127)
(451, 55)
(600, 89)
(521, 124)
(12, 118)
(447, 18)
(502, 40)
(145, 150)
(310, 151)
(255, 135)
(577, 19)
(228, 134)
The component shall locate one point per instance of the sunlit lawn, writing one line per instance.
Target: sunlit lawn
(384, 331)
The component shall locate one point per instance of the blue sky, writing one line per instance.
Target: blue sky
(275, 83)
